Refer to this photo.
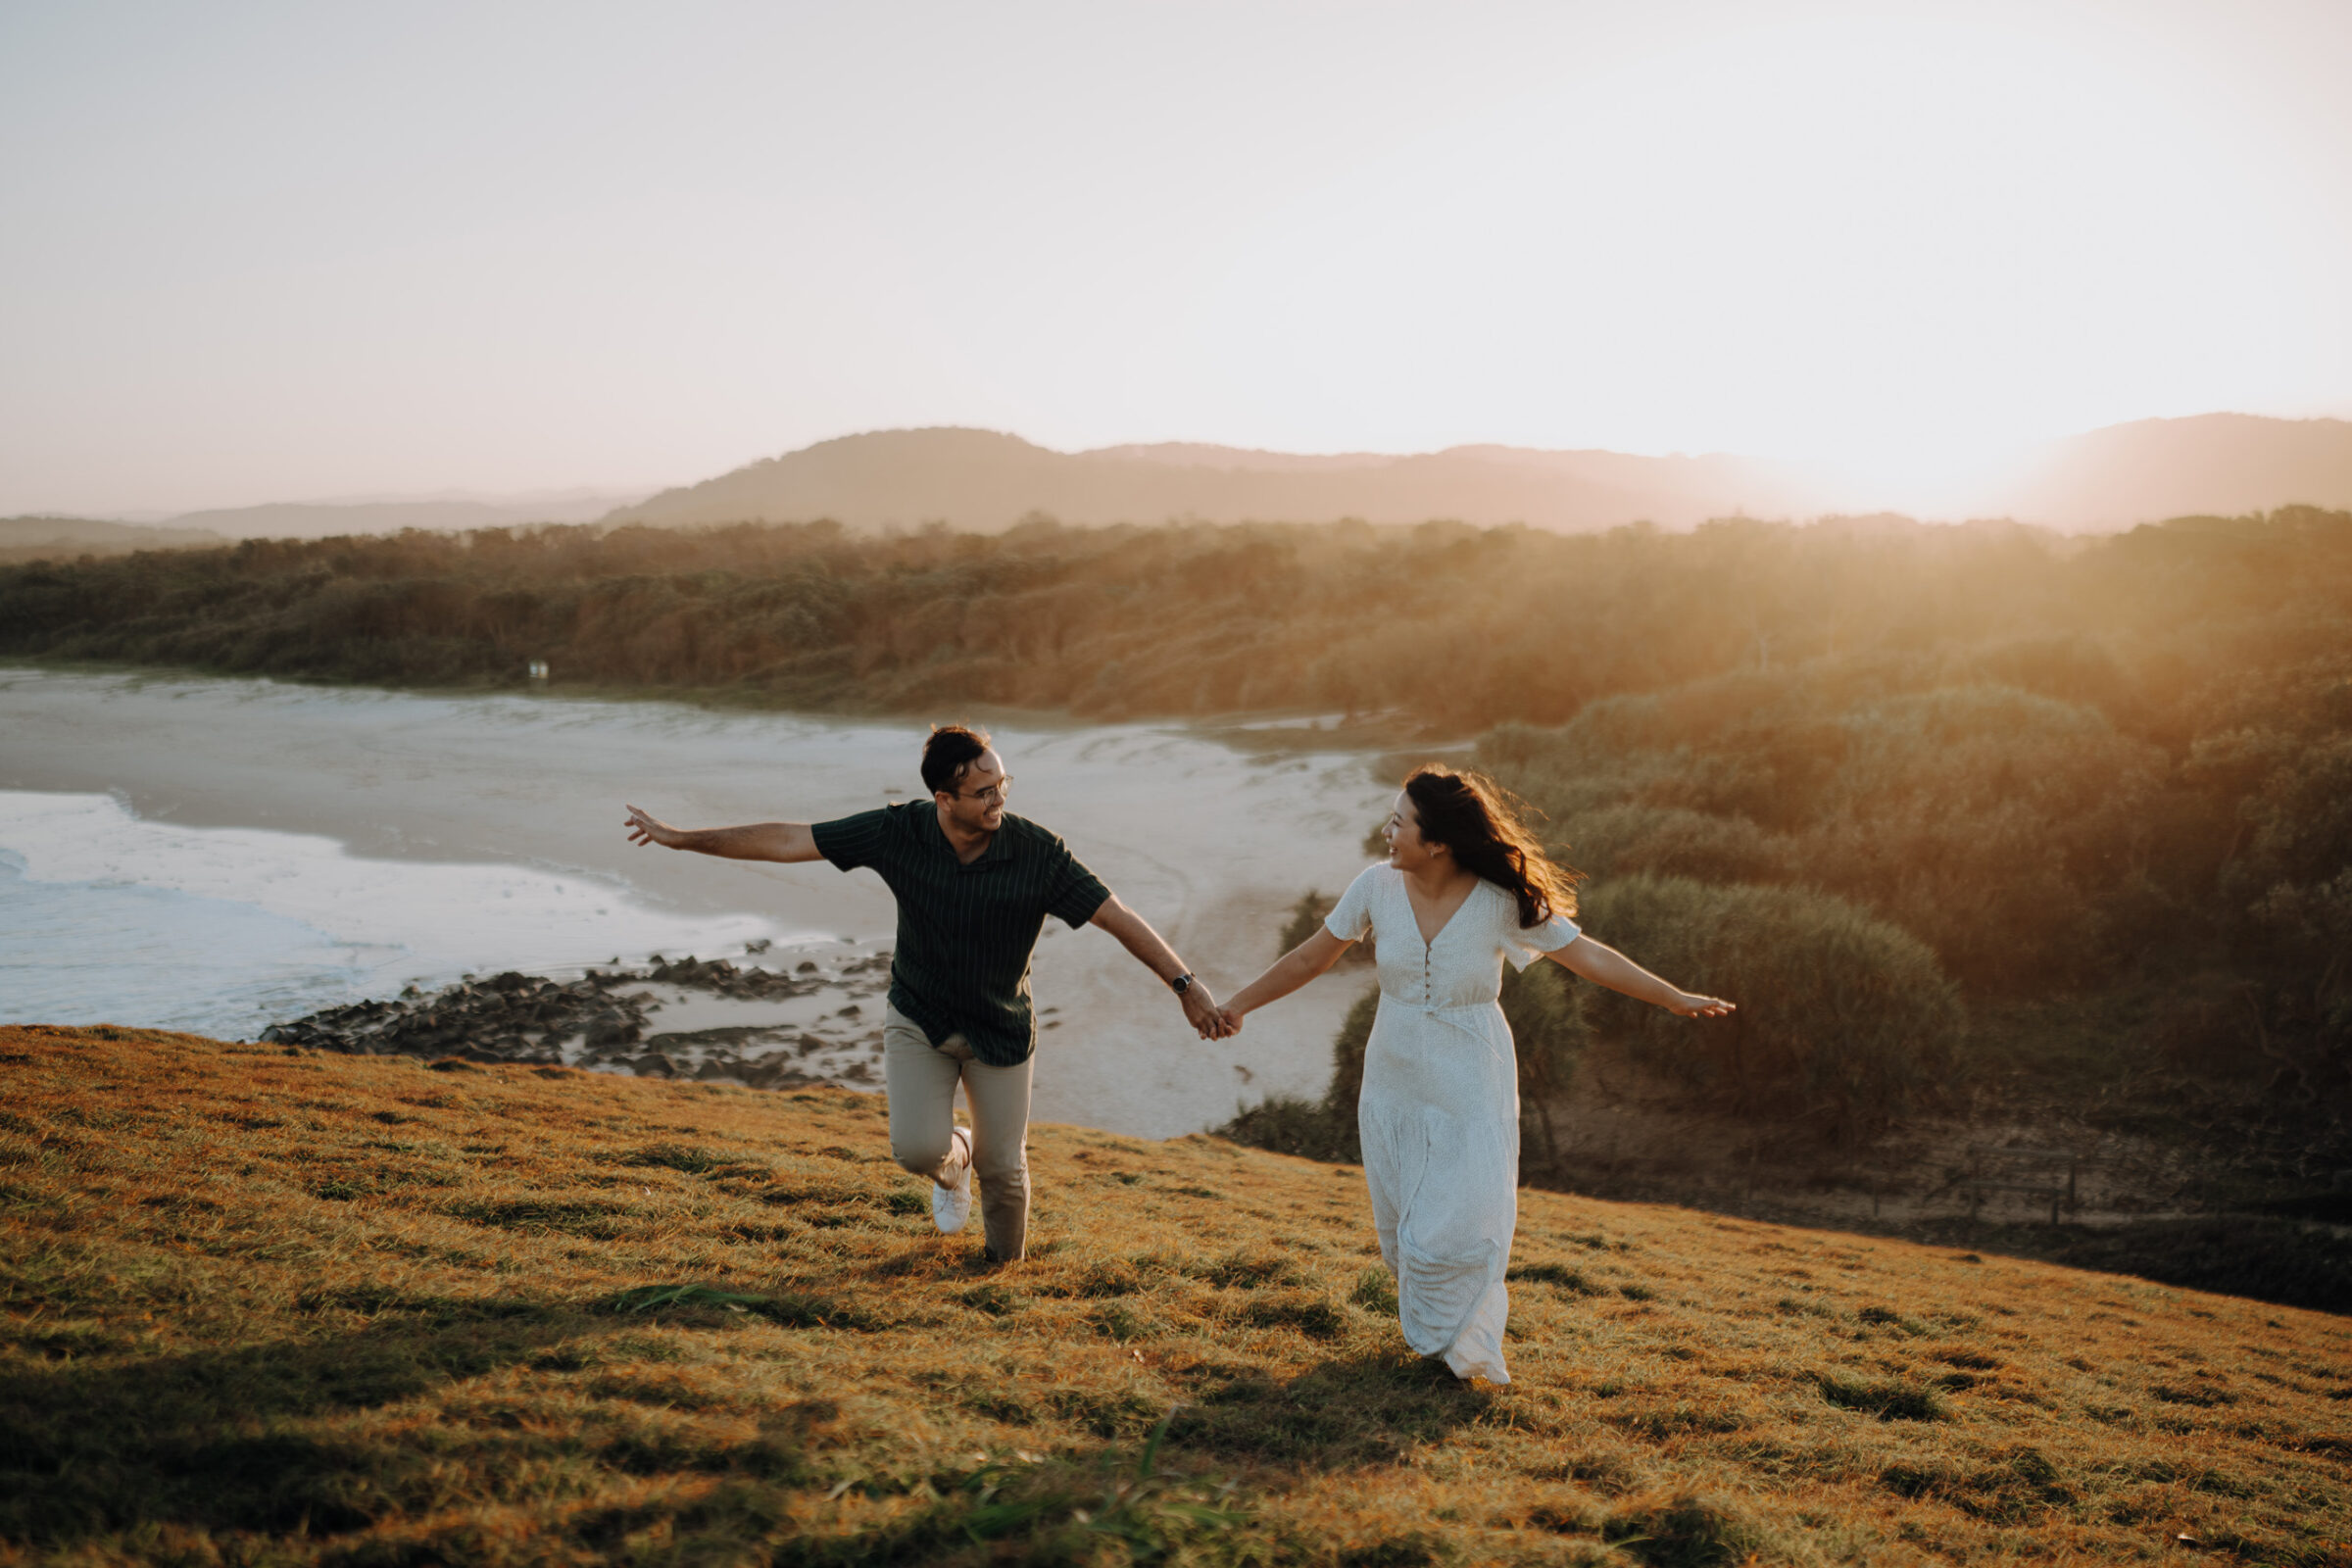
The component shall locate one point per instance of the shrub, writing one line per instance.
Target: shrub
(1549, 1034)
(1672, 841)
(1981, 818)
(1307, 918)
(1843, 1018)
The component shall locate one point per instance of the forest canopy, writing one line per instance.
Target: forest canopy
(2059, 763)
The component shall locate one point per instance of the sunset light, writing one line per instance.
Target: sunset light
(1680, 887)
(502, 254)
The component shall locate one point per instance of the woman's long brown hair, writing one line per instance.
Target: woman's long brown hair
(1472, 816)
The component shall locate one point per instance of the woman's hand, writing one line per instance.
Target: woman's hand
(1231, 1021)
(1690, 1005)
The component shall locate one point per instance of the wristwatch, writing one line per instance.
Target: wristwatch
(1180, 984)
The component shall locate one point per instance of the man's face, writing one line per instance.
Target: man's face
(977, 802)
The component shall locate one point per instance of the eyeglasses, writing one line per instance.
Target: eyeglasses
(995, 792)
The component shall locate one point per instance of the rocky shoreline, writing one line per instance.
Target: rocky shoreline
(709, 1019)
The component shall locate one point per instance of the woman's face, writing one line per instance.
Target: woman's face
(1408, 852)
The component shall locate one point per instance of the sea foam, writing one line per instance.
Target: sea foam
(109, 917)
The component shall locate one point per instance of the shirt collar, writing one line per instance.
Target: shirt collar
(1000, 842)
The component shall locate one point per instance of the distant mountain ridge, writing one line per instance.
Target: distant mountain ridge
(985, 481)
(2217, 464)
(320, 519)
(44, 538)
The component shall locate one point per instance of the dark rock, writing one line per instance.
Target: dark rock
(520, 1019)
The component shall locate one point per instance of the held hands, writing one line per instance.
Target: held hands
(1690, 1005)
(1201, 1012)
(645, 828)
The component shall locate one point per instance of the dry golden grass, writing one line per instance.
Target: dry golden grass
(269, 1307)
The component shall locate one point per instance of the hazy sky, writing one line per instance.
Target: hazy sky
(260, 252)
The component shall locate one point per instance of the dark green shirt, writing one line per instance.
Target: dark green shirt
(966, 932)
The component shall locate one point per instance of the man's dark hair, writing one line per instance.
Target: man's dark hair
(950, 754)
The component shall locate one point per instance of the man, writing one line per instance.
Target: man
(974, 885)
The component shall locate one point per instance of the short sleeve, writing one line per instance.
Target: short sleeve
(1524, 945)
(1353, 915)
(851, 842)
(1072, 892)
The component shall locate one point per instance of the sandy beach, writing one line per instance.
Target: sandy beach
(1209, 843)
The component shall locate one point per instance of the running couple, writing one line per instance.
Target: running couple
(1465, 887)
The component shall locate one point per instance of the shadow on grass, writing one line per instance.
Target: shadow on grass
(1364, 1411)
(222, 1439)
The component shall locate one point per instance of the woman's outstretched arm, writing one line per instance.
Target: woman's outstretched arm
(1289, 972)
(1606, 966)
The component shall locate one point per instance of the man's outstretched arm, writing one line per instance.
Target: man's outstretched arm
(755, 841)
(1136, 935)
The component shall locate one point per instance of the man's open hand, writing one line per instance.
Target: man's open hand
(645, 828)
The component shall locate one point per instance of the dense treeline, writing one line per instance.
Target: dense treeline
(2056, 765)
(1465, 628)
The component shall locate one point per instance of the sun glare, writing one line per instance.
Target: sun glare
(1902, 244)
(1895, 241)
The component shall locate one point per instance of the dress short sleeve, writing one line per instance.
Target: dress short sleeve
(1353, 915)
(1524, 945)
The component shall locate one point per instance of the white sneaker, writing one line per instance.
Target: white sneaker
(950, 1207)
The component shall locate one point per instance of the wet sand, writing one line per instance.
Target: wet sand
(1209, 843)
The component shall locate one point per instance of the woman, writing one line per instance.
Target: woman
(1464, 888)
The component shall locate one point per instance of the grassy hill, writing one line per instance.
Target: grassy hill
(267, 1307)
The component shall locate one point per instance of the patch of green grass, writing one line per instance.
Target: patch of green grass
(1375, 1291)
(1302, 1310)
(1683, 1531)
(1889, 1400)
(1888, 1317)
(1559, 1274)
(992, 1298)
(689, 1158)
(574, 1216)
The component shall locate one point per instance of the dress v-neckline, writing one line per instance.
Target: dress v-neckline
(1428, 943)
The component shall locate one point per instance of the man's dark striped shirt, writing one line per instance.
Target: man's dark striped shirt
(966, 932)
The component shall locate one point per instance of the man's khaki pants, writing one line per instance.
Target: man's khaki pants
(921, 1078)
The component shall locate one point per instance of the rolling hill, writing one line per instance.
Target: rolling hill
(983, 481)
(2223, 464)
(42, 538)
(268, 1305)
(2213, 464)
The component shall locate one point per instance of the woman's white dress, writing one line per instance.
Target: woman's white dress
(1440, 1109)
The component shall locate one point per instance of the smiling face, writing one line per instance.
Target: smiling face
(1407, 849)
(976, 805)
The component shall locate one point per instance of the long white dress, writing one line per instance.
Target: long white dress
(1440, 1109)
